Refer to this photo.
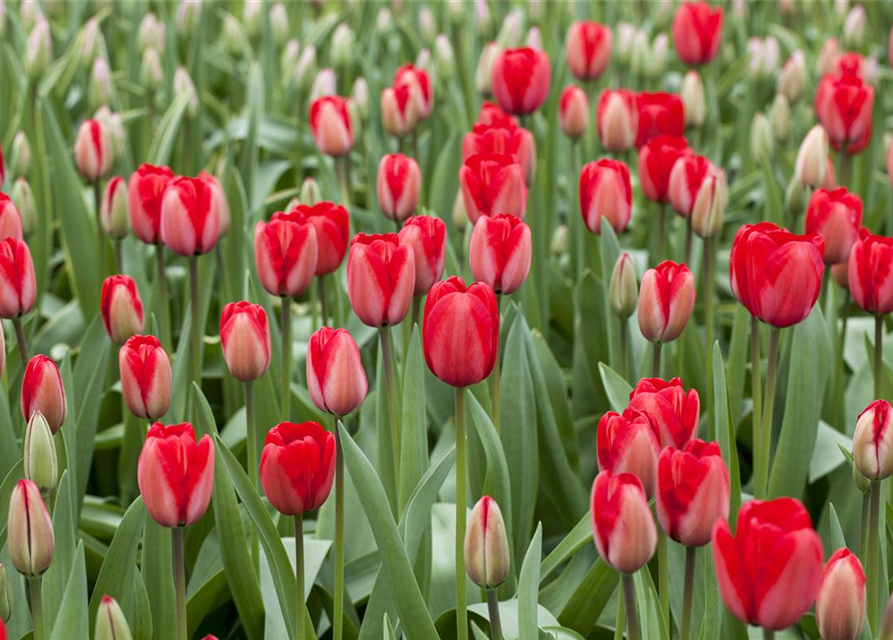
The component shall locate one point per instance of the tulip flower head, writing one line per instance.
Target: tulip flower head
(521, 79)
(399, 111)
(111, 624)
(617, 119)
(836, 215)
(687, 178)
(286, 253)
(42, 391)
(500, 252)
(869, 274)
(10, 218)
(840, 606)
(627, 444)
(145, 190)
(336, 380)
(113, 214)
(844, 105)
(622, 524)
(486, 545)
(191, 215)
(672, 412)
(39, 452)
(420, 88)
(605, 194)
(660, 114)
(18, 287)
(697, 32)
(332, 225)
(426, 236)
(623, 290)
(121, 307)
(657, 158)
(145, 377)
(666, 301)
(589, 47)
(398, 184)
(492, 183)
(873, 441)
(380, 278)
(573, 112)
(245, 337)
(30, 530)
(330, 125)
(93, 150)
(501, 136)
(812, 161)
(297, 467)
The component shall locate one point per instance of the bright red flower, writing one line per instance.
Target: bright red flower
(686, 179)
(606, 193)
(500, 252)
(332, 225)
(335, 376)
(503, 137)
(380, 278)
(617, 119)
(426, 235)
(245, 338)
(666, 300)
(492, 183)
(18, 287)
(42, 391)
(190, 215)
(145, 190)
(145, 377)
(93, 150)
(397, 186)
(622, 524)
(286, 252)
(870, 274)
(421, 90)
(297, 467)
(10, 218)
(588, 49)
(121, 308)
(672, 412)
(573, 112)
(660, 114)
(697, 32)
(627, 444)
(521, 79)
(844, 105)
(836, 215)
(656, 160)
(330, 125)
(840, 606)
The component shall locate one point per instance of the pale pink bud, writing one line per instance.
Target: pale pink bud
(840, 606)
(93, 150)
(486, 545)
(573, 112)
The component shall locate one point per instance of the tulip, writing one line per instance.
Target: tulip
(873, 441)
(492, 115)
(844, 106)
(840, 606)
(30, 531)
(617, 119)
(336, 380)
(623, 291)
(399, 111)
(426, 235)
(245, 338)
(521, 79)
(693, 101)
(687, 179)
(622, 525)
(835, 215)
(666, 300)
(656, 160)
(660, 114)
(332, 225)
(38, 49)
(297, 466)
(780, 118)
(93, 150)
(500, 252)
(121, 308)
(286, 253)
(697, 32)
(151, 33)
(190, 215)
(605, 192)
(21, 156)
(588, 49)
(39, 451)
(145, 190)
(145, 377)
(774, 551)
(812, 163)
(761, 140)
(486, 545)
(483, 75)
(420, 88)
(18, 288)
(42, 391)
(709, 206)
(792, 77)
(398, 184)
(445, 58)
(672, 412)
(627, 444)
(310, 194)
(113, 214)
(176, 474)
(692, 491)
(10, 219)
(23, 196)
(492, 183)
(380, 278)
(502, 136)
(330, 125)
(776, 274)
(455, 315)
(870, 279)
(111, 624)
(573, 112)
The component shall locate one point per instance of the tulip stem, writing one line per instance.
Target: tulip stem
(343, 168)
(661, 232)
(177, 534)
(839, 364)
(629, 595)
(388, 365)
(655, 359)
(323, 312)
(757, 413)
(461, 612)
(167, 337)
(768, 634)
(874, 510)
(494, 377)
(495, 620)
(34, 585)
(100, 234)
(575, 218)
(709, 279)
(688, 240)
(285, 328)
(195, 343)
(119, 256)
(878, 354)
(22, 341)
(416, 310)
(621, 614)
(768, 407)
(691, 555)
(624, 348)
(339, 533)
(299, 577)
(663, 575)
(863, 538)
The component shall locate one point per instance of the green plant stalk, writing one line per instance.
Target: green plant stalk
(388, 365)
(338, 623)
(177, 534)
(768, 634)
(323, 307)
(709, 292)
(874, 523)
(757, 392)
(34, 585)
(688, 240)
(768, 407)
(863, 538)
(417, 310)
(495, 620)
(839, 364)
(300, 611)
(655, 359)
(195, 343)
(663, 575)
(167, 337)
(100, 234)
(461, 604)
(691, 555)
(844, 165)
(343, 181)
(314, 303)
(624, 348)
(119, 256)
(22, 341)
(253, 461)
(575, 219)
(619, 618)
(285, 330)
(661, 232)
(629, 595)
(494, 376)
(878, 354)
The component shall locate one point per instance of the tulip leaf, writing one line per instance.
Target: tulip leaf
(590, 598)
(414, 424)
(57, 577)
(609, 250)
(70, 621)
(616, 387)
(575, 540)
(725, 433)
(587, 392)
(9, 482)
(555, 386)
(167, 130)
(838, 541)
(711, 626)
(528, 588)
(158, 578)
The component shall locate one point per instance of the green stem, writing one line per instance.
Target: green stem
(709, 279)
(394, 417)
(688, 240)
(629, 595)
(495, 620)
(874, 523)
(691, 555)
(757, 392)
(768, 409)
(179, 558)
(661, 232)
(100, 234)
(843, 179)
(323, 311)
(461, 612)
(119, 256)
(416, 310)
(494, 378)
(22, 341)
(195, 343)
(285, 330)
(663, 577)
(655, 359)
(863, 538)
(339, 533)
(768, 634)
(342, 181)
(878, 354)
(300, 612)
(575, 219)
(314, 304)
(620, 614)
(624, 348)
(839, 364)
(167, 338)
(251, 436)
(34, 585)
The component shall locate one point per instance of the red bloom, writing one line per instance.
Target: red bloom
(245, 338)
(336, 380)
(840, 606)
(492, 183)
(286, 252)
(332, 225)
(121, 308)
(627, 444)
(380, 278)
(697, 32)
(145, 377)
(606, 193)
(500, 252)
(836, 215)
(666, 300)
(397, 186)
(330, 125)
(672, 412)
(419, 82)
(502, 137)
(844, 105)
(426, 235)
(18, 287)
(588, 49)
(42, 391)
(190, 215)
(686, 178)
(617, 119)
(622, 525)
(10, 218)
(659, 114)
(297, 466)
(573, 112)
(870, 274)
(656, 160)
(521, 79)
(145, 190)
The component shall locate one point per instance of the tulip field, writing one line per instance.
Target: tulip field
(452, 320)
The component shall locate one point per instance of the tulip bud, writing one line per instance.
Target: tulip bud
(336, 380)
(30, 13)
(93, 150)
(40, 454)
(188, 14)
(193, 214)
(288, 61)
(764, 55)
(245, 337)
(114, 216)
(305, 446)
(617, 119)
(656, 61)
(573, 112)
(21, 154)
(342, 46)
(483, 76)
(114, 126)
(426, 235)
(91, 42)
(792, 77)
(183, 84)
(145, 377)
(622, 524)
(486, 545)
(110, 621)
(628, 444)
(693, 99)
(623, 292)
(279, 23)
(359, 97)
(558, 246)
(100, 87)
(427, 25)
(761, 143)
(444, 58)
(330, 125)
(310, 193)
(383, 20)
(460, 215)
(2, 27)
(151, 34)
(626, 34)
(397, 186)
(23, 196)
(710, 205)
(534, 39)
(380, 278)
(509, 35)
(30, 530)
(840, 606)
(39, 49)
(500, 252)
(828, 56)
(812, 158)
(305, 69)
(6, 602)
(666, 300)
(10, 219)
(42, 391)
(780, 118)
(854, 27)
(151, 73)
(873, 441)
(639, 53)
(482, 17)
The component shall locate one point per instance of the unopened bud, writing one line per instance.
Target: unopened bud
(288, 61)
(151, 73)
(486, 545)
(427, 25)
(535, 39)
(151, 34)
(656, 62)
(444, 58)
(5, 596)
(38, 50)
(30, 531)
(854, 27)
(792, 77)
(30, 13)
(423, 59)
(188, 14)
(623, 291)
(41, 466)
(383, 20)
(324, 84)
(482, 17)
(342, 46)
(693, 99)
(639, 52)
(359, 96)
(460, 216)
(710, 204)
(828, 56)
(234, 36)
(509, 35)
(760, 138)
(559, 243)
(484, 73)
(91, 42)
(310, 194)
(23, 196)
(456, 9)
(100, 88)
(113, 213)
(279, 23)
(110, 621)
(623, 45)
(795, 197)
(183, 84)
(252, 18)
(812, 158)
(305, 70)
(780, 118)
(21, 154)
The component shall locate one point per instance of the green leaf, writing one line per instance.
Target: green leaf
(70, 621)
(9, 482)
(528, 588)
(414, 425)
(616, 387)
(167, 130)
(58, 576)
(158, 577)
(725, 432)
(590, 598)
(575, 539)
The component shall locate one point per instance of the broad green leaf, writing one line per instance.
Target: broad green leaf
(158, 577)
(725, 432)
(590, 597)
(616, 387)
(167, 130)
(414, 424)
(70, 621)
(56, 579)
(528, 588)
(575, 539)
(9, 482)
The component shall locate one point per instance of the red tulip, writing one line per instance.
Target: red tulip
(492, 115)
(503, 137)
(692, 491)
(245, 338)
(606, 192)
(330, 126)
(672, 412)
(113, 215)
(10, 219)
(31, 540)
(93, 150)
(190, 215)
(873, 441)
(286, 252)
(297, 466)
(666, 300)
(854, 64)
(398, 184)
(399, 110)
(844, 105)
(461, 331)
(18, 288)
(380, 278)
(688, 175)
(42, 391)
(521, 79)
(656, 160)
(426, 235)
(335, 376)
(486, 545)
(627, 444)
(697, 32)
(332, 225)
(500, 252)
(419, 82)
(622, 524)
(840, 606)
(870, 274)
(492, 183)
(660, 114)
(588, 49)
(145, 377)
(835, 215)
(769, 573)
(176, 474)
(145, 191)
(617, 119)
(121, 307)
(573, 112)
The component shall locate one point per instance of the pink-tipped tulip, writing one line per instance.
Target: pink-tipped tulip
(145, 377)
(145, 190)
(113, 214)
(18, 287)
(617, 119)
(835, 215)
(380, 278)
(687, 177)
(397, 186)
(673, 412)
(627, 444)
(286, 251)
(30, 530)
(330, 126)
(573, 112)
(666, 300)
(500, 252)
(245, 337)
(121, 308)
(93, 150)
(426, 236)
(697, 32)
(492, 183)
(486, 545)
(840, 606)
(297, 466)
(332, 225)
(622, 524)
(336, 380)
(42, 391)
(606, 193)
(190, 215)
(10, 219)
(656, 161)
(588, 49)
(419, 83)
(873, 441)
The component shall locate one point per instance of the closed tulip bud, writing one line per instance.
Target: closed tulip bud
(444, 58)
(336, 380)
(812, 158)
(792, 77)
(183, 85)
(617, 119)
(42, 391)
(559, 244)
(145, 377)
(38, 49)
(93, 150)
(692, 491)
(279, 23)
(710, 205)
(398, 184)
(359, 98)
(492, 183)
(828, 57)
(151, 34)
(656, 61)
(500, 252)
(6, 602)
(288, 60)
(509, 35)
(626, 34)
(836, 215)
(573, 112)
(30, 530)
(286, 251)
(245, 338)
(605, 193)
(774, 550)
(380, 278)
(873, 441)
(427, 25)
(460, 215)
(627, 444)
(297, 467)
(486, 545)
(455, 314)
(23, 196)
(21, 154)
(697, 32)
(426, 235)
(687, 178)
(145, 191)
(399, 112)
(18, 288)
(640, 51)
(113, 213)
(176, 474)
(342, 45)
(188, 14)
(99, 90)
(305, 69)
(332, 225)
(666, 300)
(589, 47)
(780, 118)
(111, 624)
(501, 135)
(871, 285)
(693, 99)
(331, 126)
(418, 82)
(151, 73)
(483, 76)
(623, 291)
(761, 142)
(622, 524)
(656, 160)
(482, 16)
(40, 454)
(854, 26)
(191, 215)
(114, 126)
(840, 606)
(310, 193)
(763, 54)
(121, 307)
(672, 412)
(521, 79)
(10, 219)
(324, 84)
